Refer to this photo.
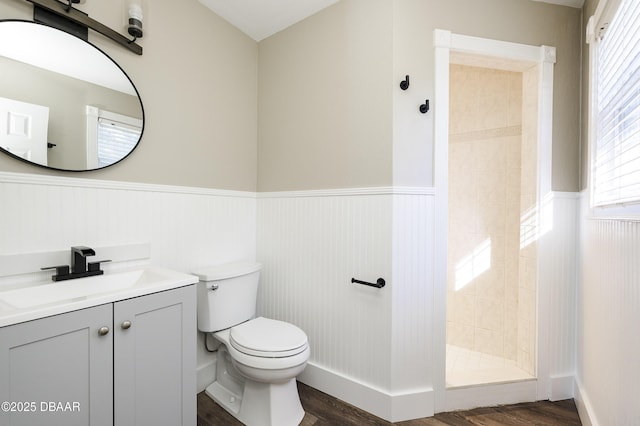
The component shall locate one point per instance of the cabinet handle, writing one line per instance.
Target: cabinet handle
(125, 324)
(103, 331)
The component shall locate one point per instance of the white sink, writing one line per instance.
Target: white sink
(90, 291)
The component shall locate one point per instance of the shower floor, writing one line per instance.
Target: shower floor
(468, 368)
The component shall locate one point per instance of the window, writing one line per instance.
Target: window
(110, 136)
(115, 140)
(615, 69)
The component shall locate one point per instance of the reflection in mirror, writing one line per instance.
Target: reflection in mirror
(64, 104)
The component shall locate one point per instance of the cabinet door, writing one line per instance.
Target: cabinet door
(60, 368)
(155, 359)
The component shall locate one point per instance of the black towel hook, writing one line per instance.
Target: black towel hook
(424, 108)
(404, 84)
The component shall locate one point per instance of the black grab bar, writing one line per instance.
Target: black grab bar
(378, 284)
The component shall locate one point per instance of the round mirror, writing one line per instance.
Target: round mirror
(64, 104)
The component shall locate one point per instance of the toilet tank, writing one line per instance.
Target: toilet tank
(227, 295)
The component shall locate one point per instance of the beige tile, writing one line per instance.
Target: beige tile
(528, 273)
(492, 220)
(513, 151)
(460, 335)
(461, 308)
(515, 99)
(486, 200)
(523, 336)
(498, 245)
(510, 349)
(489, 342)
(464, 85)
(495, 97)
(490, 314)
(490, 154)
(491, 187)
(491, 284)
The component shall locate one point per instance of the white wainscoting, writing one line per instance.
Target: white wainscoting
(608, 373)
(374, 348)
(369, 347)
(186, 228)
(557, 295)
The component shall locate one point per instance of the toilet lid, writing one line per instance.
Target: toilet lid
(270, 338)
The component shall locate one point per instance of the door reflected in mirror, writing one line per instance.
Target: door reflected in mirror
(64, 104)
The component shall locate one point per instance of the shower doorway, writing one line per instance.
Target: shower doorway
(492, 137)
(491, 270)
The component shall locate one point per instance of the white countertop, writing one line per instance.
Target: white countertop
(43, 299)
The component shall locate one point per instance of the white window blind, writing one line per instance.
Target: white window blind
(616, 160)
(115, 140)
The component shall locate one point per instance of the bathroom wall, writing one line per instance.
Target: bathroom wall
(333, 127)
(326, 84)
(530, 225)
(331, 116)
(186, 228)
(609, 300)
(485, 139)
(199, 91)
(609, 313)
(198, 82)
(325, 104)
(370, 347)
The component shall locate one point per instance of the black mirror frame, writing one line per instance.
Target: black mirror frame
(123, 72)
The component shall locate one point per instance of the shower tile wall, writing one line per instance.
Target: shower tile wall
(484, 210)
(529, 224)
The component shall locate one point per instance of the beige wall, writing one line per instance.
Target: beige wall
(526, 22)
(330, 110)
(325, 100)
(327, 109)
(198, 84)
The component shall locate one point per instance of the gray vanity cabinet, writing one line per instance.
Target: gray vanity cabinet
(59, 359)
(130, 362)
(155, 359)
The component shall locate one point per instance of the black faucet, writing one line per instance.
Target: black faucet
(79, 267)
(79, 258)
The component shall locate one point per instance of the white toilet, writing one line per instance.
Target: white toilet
(259, 358)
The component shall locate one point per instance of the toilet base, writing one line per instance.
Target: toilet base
(254, 403)
(261, 404)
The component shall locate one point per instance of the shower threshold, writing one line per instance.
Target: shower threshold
(467, 368)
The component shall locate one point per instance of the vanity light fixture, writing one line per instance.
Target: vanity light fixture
(62, 15)
(134, 21)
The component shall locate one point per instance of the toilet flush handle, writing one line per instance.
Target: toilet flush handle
(213, 287)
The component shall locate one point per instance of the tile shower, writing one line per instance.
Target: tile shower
(491, 267)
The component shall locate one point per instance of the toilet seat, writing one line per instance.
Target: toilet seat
(266, 344)
(268, 338)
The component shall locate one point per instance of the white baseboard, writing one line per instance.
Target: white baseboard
(390, 407)
(206, 374)
(490, 395)
(562, 387)
(585, 409)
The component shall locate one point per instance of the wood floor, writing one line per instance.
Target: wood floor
(324, 410)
